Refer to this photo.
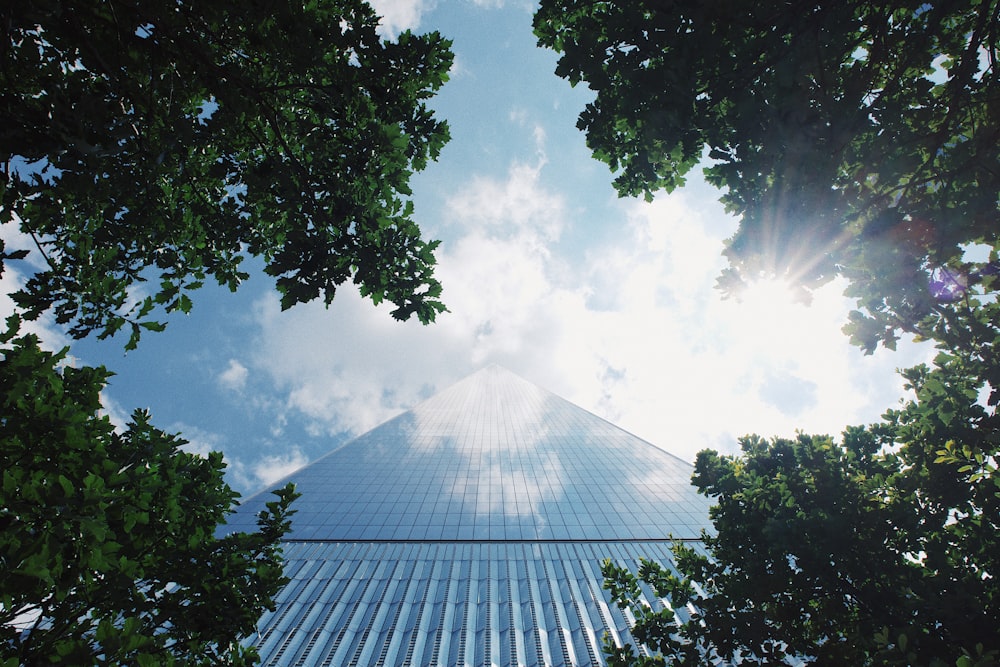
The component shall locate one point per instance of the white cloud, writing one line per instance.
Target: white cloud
(400, 15)
(636, 333)
(516, 207)
(51, 336)
(689, 370)
(500, 4)
(351, 367)
(234, 378)
(116, 414)
(199, 441)
(253, 475)
(270, 469)
(347, 368)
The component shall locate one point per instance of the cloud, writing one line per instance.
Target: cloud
(241, 474)
(234, 378)
(791, 394)
(113, 410)
(13, 279)
(399, 15)
(693, 370)
(270, 469)
(516, 207)
(347, 368)
(634, 332)
(500, 4)
(350, 367)
(51, 336)
(639, 335)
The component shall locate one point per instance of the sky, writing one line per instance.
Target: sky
(607, 302)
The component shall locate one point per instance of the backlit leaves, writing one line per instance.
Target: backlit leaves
(108, 537)
(855, 139)
(150, 147)
(851, 138)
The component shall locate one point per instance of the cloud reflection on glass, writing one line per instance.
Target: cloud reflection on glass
(494, 458)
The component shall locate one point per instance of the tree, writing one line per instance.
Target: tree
(852, 138)
(877, 550)
(148, 146)
(107, 537)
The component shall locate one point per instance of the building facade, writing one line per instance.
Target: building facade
(470, 530)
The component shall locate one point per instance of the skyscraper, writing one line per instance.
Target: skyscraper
(470, 530)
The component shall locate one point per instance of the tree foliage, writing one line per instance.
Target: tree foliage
(148, 146)
(107, 538)
(877, 550)
(851, 138)
(854, 139)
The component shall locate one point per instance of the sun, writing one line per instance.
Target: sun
(777, 321)
(776, 298)
(790, 349)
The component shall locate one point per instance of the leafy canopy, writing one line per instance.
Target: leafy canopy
(148, 146)
(855, 139)
(880, 549)
(851, 138)
(108, 538)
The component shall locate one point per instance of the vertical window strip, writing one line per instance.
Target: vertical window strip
(377, 610)
(535, 607)
(592, 574)
(318, 629)
(418, 629)
(393, 629)
(278, 619)
(346, 623)
(294, 613)
(562, 632)
(591, 643)
(518, 642)
(442, 621)
(488, 609)
(515, 658)
(464, 610)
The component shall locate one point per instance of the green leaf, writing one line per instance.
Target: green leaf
(103, 515)
(278, 174)
(153, 326)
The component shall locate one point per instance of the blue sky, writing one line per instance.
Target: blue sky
(604, 301)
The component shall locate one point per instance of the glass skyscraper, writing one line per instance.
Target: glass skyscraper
(470, 530)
